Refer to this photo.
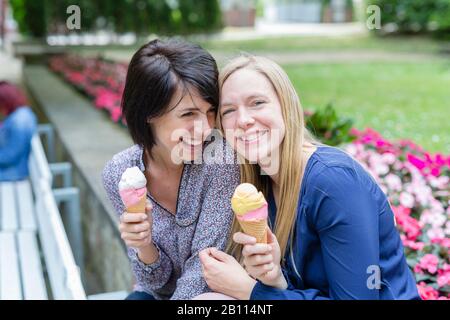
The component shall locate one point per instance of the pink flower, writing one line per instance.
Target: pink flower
(439, 159)
(443, 279)
(441, 182)
(410, 226)
(389, 158)
(435, 172)
(429, 262)
(353, 131)
(381, 143)
(406, 200)
(415, 161)
(412, 244)
(427, 292)
(435, 235)
(106, 99)
(417, 269)
(76, 77)
(445, 243)
(116, 113)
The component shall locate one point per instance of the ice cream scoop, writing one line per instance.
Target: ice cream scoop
(250, 208)
(133, 190)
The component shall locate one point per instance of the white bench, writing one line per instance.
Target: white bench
(31, 224)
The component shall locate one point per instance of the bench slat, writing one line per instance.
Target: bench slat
(8, 207)
(25, 203)
(10, 288)
(33, 281)
(63, 274)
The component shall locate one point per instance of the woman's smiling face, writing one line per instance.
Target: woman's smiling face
(182, 130)
(251, 115)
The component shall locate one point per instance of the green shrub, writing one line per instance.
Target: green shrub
(31, 16)
(41, 17)
(415, 16)
(328, 127)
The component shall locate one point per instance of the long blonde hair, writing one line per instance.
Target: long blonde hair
(291, 149)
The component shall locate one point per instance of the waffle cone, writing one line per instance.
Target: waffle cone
(255, 228)
(139, 207)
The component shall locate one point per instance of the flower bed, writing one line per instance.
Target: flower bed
(416, 182)
(417, 185)
(100, 80)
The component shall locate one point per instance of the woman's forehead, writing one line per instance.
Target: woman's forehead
(189, 97)
(245, 84)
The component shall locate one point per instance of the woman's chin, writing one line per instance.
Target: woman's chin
(252, 156)
(192, 154)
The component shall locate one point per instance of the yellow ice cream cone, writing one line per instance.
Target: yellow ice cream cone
(255, 228)
(246, 199)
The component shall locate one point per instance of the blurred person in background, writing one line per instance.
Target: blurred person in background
(17, 126)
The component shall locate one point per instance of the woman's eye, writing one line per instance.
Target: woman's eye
(187, 114)
(227, 112)
(258, 102)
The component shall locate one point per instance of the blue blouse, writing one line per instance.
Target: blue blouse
(346, 245)
(15, 144)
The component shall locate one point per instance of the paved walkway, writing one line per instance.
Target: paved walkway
(10, 68)
(264, 30)
(336, 56)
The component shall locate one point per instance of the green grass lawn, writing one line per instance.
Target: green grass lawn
(401, 100)
(414, 44)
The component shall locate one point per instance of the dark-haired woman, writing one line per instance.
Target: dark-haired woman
(170, 101)
(16, 131)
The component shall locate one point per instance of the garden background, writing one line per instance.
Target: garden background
(383, 94)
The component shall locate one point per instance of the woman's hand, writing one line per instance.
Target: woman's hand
(136, 228)
(136, 231)
(225, 275)
(262, 261)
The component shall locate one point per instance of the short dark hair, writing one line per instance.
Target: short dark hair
(155, 72)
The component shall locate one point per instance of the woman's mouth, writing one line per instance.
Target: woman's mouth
(191, 143)
(252, 137)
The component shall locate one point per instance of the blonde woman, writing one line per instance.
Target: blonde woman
(334, 234)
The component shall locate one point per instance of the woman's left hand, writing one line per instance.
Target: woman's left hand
(225, 275)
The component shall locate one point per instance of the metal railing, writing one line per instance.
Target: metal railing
(63, 252)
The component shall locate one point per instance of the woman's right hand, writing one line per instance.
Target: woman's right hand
(262, 261)
(136, 228)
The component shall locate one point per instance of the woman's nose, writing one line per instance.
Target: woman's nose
(244, 118)
(205, 128)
